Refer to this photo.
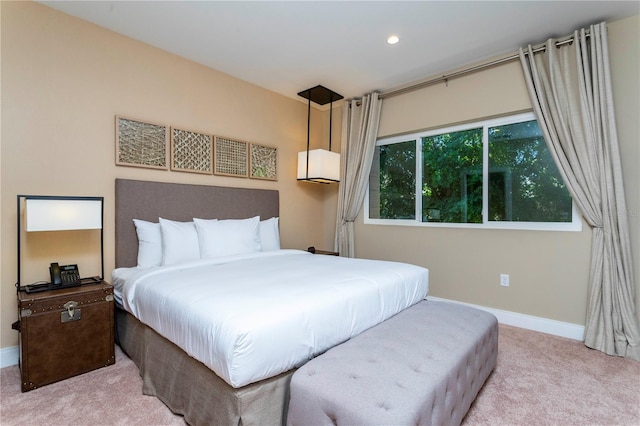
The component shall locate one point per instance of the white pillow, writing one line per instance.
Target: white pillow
(270, 234)
(227, 237)
(149, 243)
(179, 242)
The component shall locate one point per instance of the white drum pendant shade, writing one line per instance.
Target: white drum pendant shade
(324, 166)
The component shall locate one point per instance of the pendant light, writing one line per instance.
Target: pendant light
(319, 165)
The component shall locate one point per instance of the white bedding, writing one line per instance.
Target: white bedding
(250, 317)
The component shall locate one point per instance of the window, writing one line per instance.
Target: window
(396, 173)
(495, 174)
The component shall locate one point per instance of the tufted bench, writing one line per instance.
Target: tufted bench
(423, 366)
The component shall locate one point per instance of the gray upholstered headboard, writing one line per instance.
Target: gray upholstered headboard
(144, 200)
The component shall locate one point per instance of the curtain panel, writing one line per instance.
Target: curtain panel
(360, 120)
(570, 89)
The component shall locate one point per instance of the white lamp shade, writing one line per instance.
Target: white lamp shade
(62, 215)
(324, 166)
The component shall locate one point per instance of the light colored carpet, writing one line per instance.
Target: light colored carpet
(547, 380)
(108, 396)
(539, 380)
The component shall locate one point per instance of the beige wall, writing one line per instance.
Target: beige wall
(64, 80)
(331, 191)
(624, 53)
(549, 270)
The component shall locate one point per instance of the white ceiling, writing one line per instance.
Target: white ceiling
(289, 46)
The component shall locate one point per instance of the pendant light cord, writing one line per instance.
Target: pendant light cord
(308, 131)
(330, 121)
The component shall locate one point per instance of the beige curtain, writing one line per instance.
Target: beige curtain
(360, 121)
(570, 88)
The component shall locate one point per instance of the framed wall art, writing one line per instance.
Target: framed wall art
(231, 157)
(191, 151)
(141, 144)
(263, 162)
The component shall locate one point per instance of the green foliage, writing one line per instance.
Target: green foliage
(524, 184)
(452, 177)
(397, 180)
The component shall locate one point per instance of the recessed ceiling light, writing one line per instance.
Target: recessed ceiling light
(393, 39)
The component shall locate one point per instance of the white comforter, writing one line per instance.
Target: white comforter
(251, 317)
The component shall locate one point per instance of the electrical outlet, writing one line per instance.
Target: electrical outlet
(504, 280)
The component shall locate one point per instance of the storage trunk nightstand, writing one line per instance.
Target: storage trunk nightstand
(65, 332)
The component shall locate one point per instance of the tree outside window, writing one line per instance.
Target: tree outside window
(486, 173)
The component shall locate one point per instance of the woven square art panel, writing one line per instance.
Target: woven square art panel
(231, 157)
(263, 162)
(141, 144)
(191, 151)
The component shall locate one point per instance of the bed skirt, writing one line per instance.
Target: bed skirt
(191, 389)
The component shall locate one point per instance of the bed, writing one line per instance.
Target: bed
(217, 339)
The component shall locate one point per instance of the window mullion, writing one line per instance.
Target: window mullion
(419, 180)
(485, 174)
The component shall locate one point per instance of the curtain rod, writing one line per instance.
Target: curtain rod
(471, 70)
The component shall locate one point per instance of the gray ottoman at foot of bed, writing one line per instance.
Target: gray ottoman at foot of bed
(423, 366)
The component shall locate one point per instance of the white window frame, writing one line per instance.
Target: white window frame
(576, 218)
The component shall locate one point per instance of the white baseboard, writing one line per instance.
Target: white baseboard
(543, 325)
(9, 356)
